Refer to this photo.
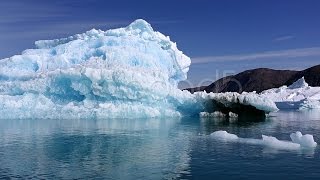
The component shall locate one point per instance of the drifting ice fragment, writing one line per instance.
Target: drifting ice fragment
(304, 140)
(298, 140)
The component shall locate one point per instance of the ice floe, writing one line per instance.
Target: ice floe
(298, 140)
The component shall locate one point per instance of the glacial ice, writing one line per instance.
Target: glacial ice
(299, 95)
(224, 135)
(304, 140)
(219, 115)
(215, 114)
(298, 140)
(232, 105)
(130, 72)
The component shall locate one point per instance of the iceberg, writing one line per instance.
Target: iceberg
(232, 105)
(129, 72)
(299, 95)
(298, 141)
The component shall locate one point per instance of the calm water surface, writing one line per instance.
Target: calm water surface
(155, 149)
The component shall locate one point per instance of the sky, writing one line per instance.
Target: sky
(221, 37)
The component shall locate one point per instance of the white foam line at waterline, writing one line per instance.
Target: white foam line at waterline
(298, 140)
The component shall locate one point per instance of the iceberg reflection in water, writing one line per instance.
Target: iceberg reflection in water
(170, 148)
(119, 148)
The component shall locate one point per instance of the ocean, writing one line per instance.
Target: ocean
(168, 148)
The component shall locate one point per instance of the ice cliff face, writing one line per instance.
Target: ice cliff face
(130, 71)
(127, 72)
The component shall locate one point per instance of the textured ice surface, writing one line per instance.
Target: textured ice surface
(127, 72)
(230, 98)
(216, 114)
(299, 95)
(233, 115)
(224, 135)
(300, 83)
(304, 140)
(298, 140)
(309, 104)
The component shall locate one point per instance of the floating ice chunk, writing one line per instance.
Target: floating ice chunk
(298, 140)
(214, 114)
(233, 115)
(304, 140)
(224, 135)
(273, 142)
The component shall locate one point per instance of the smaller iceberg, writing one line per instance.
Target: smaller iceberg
(232, 105)
(298, 141)
(300, 83)
(304, 140)
(299, 95)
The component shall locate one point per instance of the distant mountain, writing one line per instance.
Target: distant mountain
(261, 79)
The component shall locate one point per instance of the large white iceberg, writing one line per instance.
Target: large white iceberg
(127, 72)
(299, 95)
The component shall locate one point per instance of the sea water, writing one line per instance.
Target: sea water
(170, 148)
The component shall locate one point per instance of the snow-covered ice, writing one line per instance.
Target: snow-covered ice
(228, 99)
(298, 140)
(127, 72)
(299, 95)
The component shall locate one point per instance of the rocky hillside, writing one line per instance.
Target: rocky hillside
(261, 79)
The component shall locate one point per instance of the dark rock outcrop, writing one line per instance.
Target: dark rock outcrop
(261, 79)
